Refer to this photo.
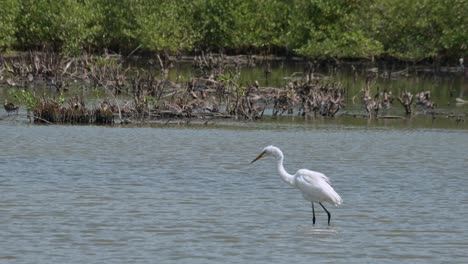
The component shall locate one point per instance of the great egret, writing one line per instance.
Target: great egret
(315, 186)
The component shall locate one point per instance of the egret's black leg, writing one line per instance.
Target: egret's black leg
(328, 213)
(313, 214)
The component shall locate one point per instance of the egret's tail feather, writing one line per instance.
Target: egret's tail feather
(336, 198)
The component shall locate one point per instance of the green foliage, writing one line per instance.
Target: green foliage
(260, 24)
(333, 29)
(414, 30)
(215, 22)
(408, 34)
(165, 25)
(408, 30)
(8, 13)
(241, 24)
(63, 25)
(454, 24)
(26, 98)
(116, 24)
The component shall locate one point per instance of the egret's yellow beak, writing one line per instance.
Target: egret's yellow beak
(258, 157)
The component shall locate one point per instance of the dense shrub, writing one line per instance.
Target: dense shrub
(407, 30)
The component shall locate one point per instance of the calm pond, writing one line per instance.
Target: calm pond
(187, 194)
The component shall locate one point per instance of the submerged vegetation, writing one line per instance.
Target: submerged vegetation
(134, 93)
(333, 29)
(102, 89)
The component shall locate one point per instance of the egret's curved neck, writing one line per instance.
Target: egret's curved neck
(285, 176)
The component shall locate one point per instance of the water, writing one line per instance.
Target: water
(88, 194)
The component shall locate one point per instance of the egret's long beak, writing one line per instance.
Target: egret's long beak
(258, 157)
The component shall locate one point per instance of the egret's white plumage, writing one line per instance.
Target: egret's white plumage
(315, 186)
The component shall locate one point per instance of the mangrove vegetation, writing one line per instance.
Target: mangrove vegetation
(332, 29)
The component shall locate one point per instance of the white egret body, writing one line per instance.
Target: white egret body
(315, 186)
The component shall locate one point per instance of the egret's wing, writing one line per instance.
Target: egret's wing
(313, 176)
(315, 186)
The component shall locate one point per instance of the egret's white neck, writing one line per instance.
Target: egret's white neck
(285, 176)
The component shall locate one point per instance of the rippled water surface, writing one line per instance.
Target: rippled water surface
(86, 194)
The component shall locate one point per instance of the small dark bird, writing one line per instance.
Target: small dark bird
(10, 107)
